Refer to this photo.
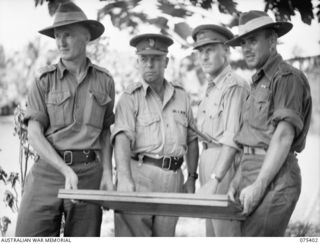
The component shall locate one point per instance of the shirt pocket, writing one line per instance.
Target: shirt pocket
(259, 108)
(181, 127)
(214, 123)
(95, 108)
(148, 130)
(57, 106)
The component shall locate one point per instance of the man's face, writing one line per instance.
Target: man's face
(71, 41)
(212, 58)
(152, 67)
(256, 49)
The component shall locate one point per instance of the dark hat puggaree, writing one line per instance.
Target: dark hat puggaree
(69, 13)
(210, 34)
(255, 20)
(151, 44)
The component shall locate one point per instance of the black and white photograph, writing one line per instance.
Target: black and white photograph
(159, 118)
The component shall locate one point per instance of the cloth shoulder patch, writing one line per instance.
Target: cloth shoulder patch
(102, 69)
(133, 87)
(44, 70)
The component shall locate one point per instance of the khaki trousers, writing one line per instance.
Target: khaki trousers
(149, 178)
(208, 163)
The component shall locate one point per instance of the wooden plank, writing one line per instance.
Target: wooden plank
(167, 204)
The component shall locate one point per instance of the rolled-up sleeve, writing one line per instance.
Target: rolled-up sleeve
(109, 116)
(233, 100)
(124, 119)
(288, 101)
(191, 135)
(36, 105)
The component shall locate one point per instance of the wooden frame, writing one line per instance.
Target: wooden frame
(154, 203)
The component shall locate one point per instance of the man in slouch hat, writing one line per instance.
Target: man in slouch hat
(69, 112)
(275, 122)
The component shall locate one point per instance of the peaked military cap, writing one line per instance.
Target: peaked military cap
(207, 34)
(151, 44)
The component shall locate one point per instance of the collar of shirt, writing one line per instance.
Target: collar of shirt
(218, 81)
(268, 69)
(167, 87)
(62, 69)
(168, 91)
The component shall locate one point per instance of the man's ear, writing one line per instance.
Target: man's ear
(136, 64)
(167, 61)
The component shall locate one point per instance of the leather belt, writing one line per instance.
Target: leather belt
(167, 163)
(207, 145)
(254, 150)
(77, 156)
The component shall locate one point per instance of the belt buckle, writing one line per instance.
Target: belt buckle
(163, 160)
(65, 154)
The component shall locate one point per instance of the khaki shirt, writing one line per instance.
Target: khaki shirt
(279, 92)
(155, 128)
(219, 113)
(72, 114)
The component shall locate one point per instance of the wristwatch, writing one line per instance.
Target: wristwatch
(193, 175)
(213, 176)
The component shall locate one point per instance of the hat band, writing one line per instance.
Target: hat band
(254, 24)
(66, 17)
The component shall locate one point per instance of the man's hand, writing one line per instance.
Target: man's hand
(126, 183)
(189, 185)
(232, 192)
(209, 188)
(71, 179)
(251, 195)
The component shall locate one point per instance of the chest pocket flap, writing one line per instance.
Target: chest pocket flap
(101, 98)
(147, 119)
(58, 98)
(181, 119)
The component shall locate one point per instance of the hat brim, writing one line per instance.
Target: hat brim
(151, 52)
(95, 28)
(206, 42)
(281, 28)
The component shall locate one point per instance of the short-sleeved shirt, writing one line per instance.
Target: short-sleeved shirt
(73, 114)
(220, 111)
(279, 92)
(155, 128)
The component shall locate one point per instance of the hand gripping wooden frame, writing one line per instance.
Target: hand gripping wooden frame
(154, 203)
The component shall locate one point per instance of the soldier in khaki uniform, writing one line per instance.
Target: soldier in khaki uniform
(152, 138)
(70, 110)
(218, 119)
(276, 119)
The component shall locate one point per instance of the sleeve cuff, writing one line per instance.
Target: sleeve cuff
(289, 116)
(228, 139)
(41, 117)
(116, 130)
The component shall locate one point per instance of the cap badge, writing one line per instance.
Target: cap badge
(151, 42)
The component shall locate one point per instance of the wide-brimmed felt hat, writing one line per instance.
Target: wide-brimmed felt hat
(69, 13)
(255, 20)
(210, 34)
(151, 44)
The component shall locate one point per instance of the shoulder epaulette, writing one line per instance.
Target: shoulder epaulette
(132, 87)
(102, 69)
(46, 69)
(177, 85)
